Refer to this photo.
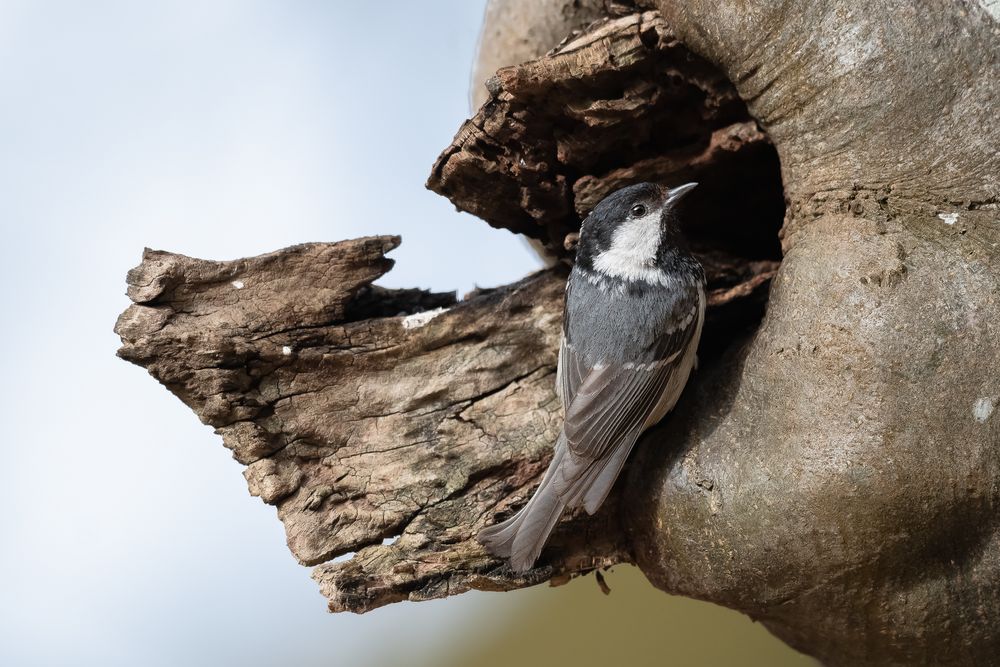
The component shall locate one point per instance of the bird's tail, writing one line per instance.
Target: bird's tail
(521, 537)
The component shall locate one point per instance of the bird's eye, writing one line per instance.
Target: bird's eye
(638, 211)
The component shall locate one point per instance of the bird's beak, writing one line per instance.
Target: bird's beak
(676, 193)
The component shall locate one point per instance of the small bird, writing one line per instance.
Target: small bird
(635, 305)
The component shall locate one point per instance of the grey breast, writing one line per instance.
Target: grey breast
(613, 323)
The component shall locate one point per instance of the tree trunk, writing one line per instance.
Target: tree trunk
(834, 467)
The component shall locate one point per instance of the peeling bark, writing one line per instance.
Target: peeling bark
(621, 103)
(523, 30)
(833, 470)
(363, 425)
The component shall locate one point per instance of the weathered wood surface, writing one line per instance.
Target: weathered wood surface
(363, 424)
(367, 414)
(620, 103)
(833, 472)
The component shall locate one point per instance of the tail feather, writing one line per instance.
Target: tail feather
(597, 490)
(588, 483)
(521, 537)
(569, 482)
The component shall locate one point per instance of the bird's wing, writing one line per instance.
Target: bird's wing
(608, 409)
(569, 373)
(606, 403)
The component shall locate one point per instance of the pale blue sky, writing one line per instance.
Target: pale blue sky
(217, 129)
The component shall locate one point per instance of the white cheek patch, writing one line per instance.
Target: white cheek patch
(632, 254)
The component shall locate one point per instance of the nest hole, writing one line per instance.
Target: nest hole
(562, 132)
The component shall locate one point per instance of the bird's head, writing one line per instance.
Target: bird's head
(632, 234)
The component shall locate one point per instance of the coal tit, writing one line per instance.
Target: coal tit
(635, 305)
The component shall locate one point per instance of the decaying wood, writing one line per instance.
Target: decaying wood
(516, 32)
(833, 470)
(363, 424)
(621, 103)
(398, 416)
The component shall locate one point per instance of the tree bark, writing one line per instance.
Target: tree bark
(833, 470)
(369, 415)
(517, 31)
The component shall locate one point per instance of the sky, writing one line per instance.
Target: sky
(219, 130)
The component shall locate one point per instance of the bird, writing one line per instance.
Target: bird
(633, 315)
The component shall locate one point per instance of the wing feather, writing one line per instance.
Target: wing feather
(607, 408)
(612, 399)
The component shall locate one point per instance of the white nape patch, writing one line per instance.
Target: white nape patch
(949, 218)
(417, 320)
(632, 254)
(389, 541)
(982, 409)
(343, 558)
(238, 284)
(285, 350)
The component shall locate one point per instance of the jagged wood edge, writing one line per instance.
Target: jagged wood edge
(420, 427)
(561, 132)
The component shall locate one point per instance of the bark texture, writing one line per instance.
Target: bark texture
(833, 469)
(850, 475)
(390, 423)
(623, 102)
(516, 31)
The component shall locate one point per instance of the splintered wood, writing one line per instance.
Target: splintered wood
(392, 425)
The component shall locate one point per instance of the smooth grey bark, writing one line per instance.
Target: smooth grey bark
(848, 486)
